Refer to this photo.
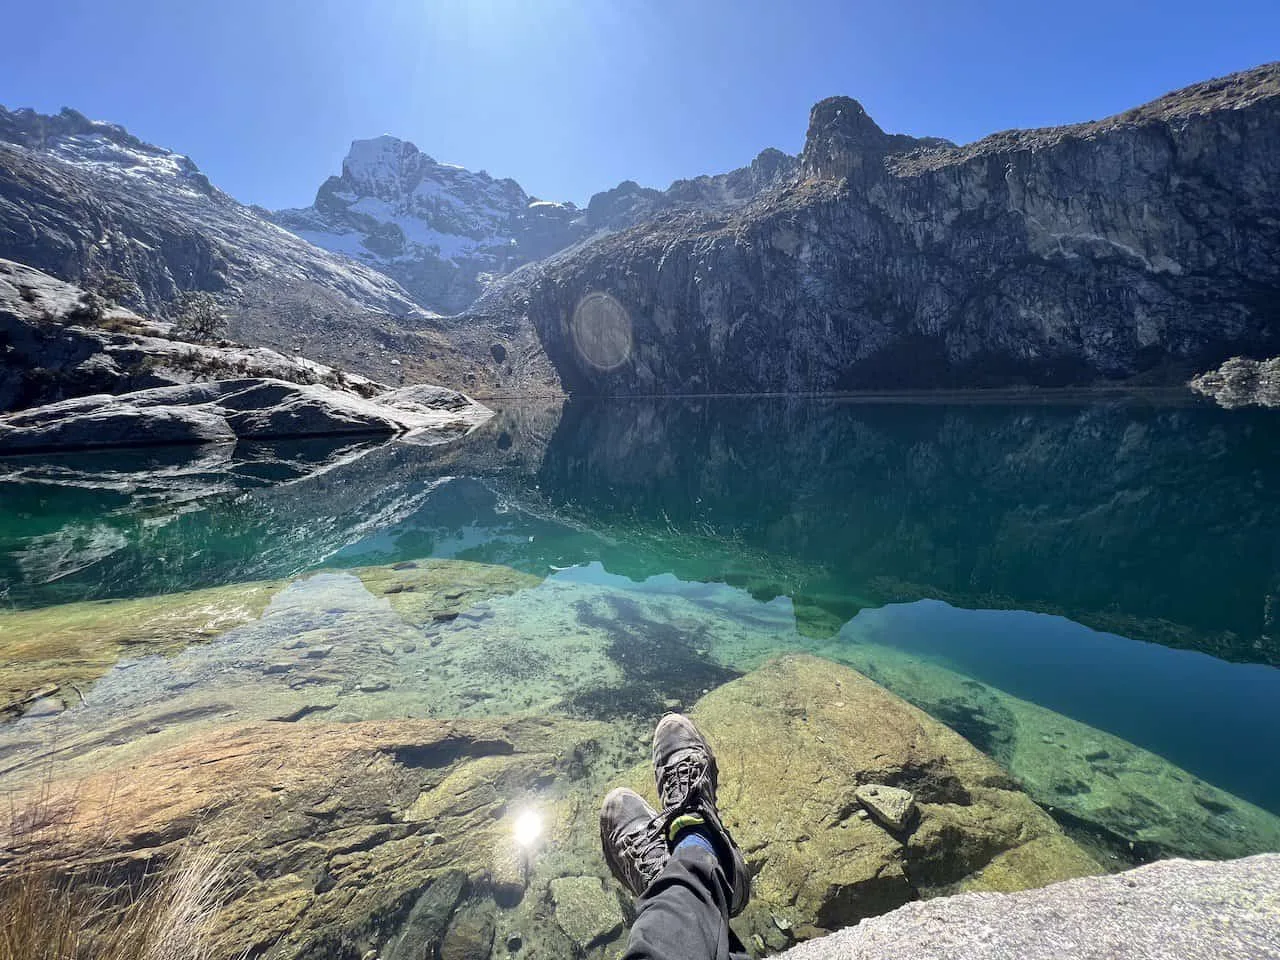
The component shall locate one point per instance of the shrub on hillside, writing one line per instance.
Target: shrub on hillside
(198, 316)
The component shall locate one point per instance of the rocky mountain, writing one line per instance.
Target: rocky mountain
(445, 232)
(81, 198)
(629, 203)
(437, 228)
(1143, 245)
(91, 204)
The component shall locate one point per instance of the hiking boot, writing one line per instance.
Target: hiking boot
(631, 836)
(685, 768)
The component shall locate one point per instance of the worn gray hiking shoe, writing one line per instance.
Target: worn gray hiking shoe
(685, 768)
(631, 835)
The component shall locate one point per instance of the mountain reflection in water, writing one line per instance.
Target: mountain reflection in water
(1054, 535)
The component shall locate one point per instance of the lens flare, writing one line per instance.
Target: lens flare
(601, 330)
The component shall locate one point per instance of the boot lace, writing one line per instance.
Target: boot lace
(682, 778)
(644, 848)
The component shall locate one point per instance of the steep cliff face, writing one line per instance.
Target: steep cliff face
(445, 232)
(1145, 244)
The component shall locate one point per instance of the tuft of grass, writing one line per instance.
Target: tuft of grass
(64, 902)
(48, 915)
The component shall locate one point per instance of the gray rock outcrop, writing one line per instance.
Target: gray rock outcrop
(1143, 244)
(256, 409)
(1172, 910)
(59, 341)
(1241, 382)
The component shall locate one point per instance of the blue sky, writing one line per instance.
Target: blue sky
(572, 96)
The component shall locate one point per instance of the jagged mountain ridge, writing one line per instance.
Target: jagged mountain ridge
(439, 229)
(86, 201)
(1142, 245)
(445, 232)
(1145, 245)
(80, 197)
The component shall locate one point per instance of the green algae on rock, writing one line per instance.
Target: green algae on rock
(73, 644)
(1129, 804)
(796, 738)
(316, 820)
(424, 592)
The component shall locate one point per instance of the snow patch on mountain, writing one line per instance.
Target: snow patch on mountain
(82, 199)
(439, 229)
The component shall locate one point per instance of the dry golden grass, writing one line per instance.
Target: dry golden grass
(48, 916)
(58, 903)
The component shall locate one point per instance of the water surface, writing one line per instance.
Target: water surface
(1081, 577)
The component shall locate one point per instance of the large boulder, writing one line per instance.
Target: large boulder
(256, 409)
(109, 421)
(1172, 910)
(343, 837)
(797, 739)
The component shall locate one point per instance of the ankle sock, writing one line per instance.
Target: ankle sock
(695, 837)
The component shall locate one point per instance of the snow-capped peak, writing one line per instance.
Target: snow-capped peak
(436, 227)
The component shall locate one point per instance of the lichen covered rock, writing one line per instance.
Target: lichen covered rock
(797, 739)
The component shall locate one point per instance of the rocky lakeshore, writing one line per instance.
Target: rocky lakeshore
(1158, 912)
(1241, 382)
(369, 737)
(354, 834)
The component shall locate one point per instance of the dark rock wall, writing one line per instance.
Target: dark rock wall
(1146, 244)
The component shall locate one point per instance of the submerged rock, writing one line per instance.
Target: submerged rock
(1126, 803)
(891, 806)
(346, 836)
(797, 739)
(585, 910)
(1174, 910)
(74, 644)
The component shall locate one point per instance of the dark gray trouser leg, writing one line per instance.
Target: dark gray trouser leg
(684, 915)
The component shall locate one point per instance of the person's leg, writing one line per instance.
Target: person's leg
(684, 914)
(685, 896)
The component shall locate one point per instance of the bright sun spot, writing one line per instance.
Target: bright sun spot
(528, 828)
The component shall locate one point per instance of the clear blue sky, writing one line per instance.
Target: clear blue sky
(572, 96)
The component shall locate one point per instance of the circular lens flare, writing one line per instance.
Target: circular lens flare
(601, 330)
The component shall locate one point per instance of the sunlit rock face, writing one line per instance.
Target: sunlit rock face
(1140, 244)
(446, 232)
(437, 228)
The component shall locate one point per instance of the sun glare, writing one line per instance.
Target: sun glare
(528, 828)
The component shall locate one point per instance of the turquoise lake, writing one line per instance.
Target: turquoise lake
(1092, 578)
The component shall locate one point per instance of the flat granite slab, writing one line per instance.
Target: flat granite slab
(1171, 910)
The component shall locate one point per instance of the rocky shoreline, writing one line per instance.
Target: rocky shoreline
(277, 716)
(82, 374)
(1241, 382)
(1158, 912)
(230, 410)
